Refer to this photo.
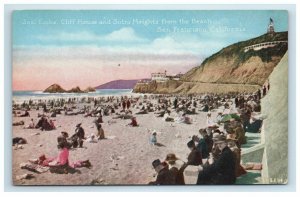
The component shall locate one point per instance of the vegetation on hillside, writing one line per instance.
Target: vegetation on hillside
(238, 48)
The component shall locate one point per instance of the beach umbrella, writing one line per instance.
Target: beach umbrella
(227, 117)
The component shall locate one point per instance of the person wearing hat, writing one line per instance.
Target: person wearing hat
(195, 157)
(202, 145)
(62, 138)
(222, 171)
(79, 131)
(239, 136)
(99, 119)
(164, 175)
(175, 168)
(239, 170)
(219, 116)
(100, 131)
(133, 122)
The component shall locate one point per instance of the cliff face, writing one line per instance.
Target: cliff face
(233, 65)
(157, 88)
(119, 84)
(224, 70)
(275, 108)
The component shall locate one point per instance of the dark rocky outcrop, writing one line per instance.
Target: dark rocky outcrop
(75, 90)
(54, 88)
(89, 89)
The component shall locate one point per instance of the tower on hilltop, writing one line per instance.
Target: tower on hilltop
(271, 29)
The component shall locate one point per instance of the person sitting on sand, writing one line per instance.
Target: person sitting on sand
(92, 139)
(59, 164)
(100, 131)
(26, 113)
(125, 115)
(153, 139)
(209, 121)
(52, 124)
(143, 110)
(187, 119)
(205, 108)
(18, 140)
(133, 122)
(45, 124)
(62, 138)
(160, 113)
(18, 123)
(31, 125)
(167, 117)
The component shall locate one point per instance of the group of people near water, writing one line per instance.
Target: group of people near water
(217, 152)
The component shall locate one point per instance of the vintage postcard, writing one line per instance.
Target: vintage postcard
(150, 97)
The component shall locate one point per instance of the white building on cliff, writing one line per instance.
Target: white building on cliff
(159, 77)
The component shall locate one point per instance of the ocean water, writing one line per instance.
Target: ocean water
(20, 96)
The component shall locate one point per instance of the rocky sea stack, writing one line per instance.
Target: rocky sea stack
(89, 89)
(75, 90)
(55, 88)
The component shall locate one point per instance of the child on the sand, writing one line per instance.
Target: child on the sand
(153, 139)
(133, 122)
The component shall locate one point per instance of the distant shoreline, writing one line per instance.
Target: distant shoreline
(21, 96)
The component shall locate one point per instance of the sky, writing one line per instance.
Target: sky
(90, 47)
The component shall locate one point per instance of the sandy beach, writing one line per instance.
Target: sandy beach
(124, 158)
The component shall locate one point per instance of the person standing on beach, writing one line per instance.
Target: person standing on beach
(175, 103)
(124, 105)
(80, 134)
(128, 104)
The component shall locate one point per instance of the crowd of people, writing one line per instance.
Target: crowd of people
(215, 148)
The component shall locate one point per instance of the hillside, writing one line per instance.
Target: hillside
(233, 65)
(229, 70)
(119, 84)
